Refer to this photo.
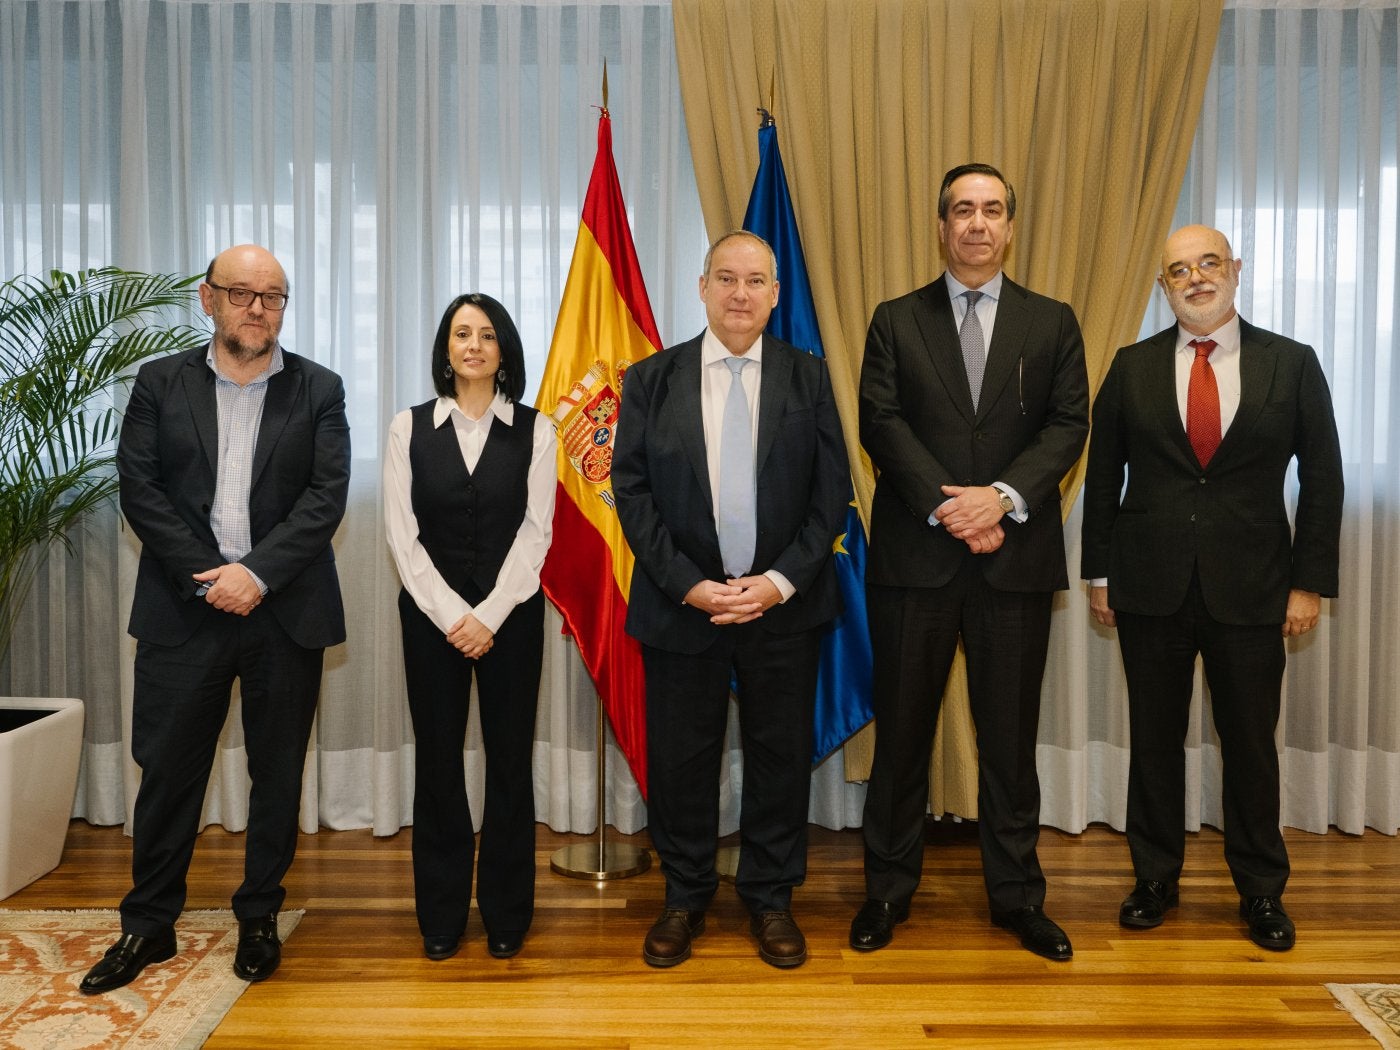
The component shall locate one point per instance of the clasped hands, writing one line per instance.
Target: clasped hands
(232, 589)
(972, 514)
(470, 637)
(734, 601)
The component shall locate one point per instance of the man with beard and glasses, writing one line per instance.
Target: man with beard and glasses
(235, 463)
(1196, 556)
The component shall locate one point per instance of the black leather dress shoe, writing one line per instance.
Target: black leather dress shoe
(873, 926)
(504, 945)
(1038, 934)
(1269, 925)
(668, 940)
(125, 960)
(1148, 904)
(259, 950)
(439, 948)
(780, 942)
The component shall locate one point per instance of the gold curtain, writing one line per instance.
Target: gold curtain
(1087, 106)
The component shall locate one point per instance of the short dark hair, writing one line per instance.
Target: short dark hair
(945, 192)
(507, 339)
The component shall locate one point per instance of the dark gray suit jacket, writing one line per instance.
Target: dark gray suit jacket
(918, 425)
(1227, 521)
(167, 459)
(660, 477)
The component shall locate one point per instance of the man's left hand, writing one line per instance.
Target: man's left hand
(753, 589)
(1304, 610)
(231, 589)
(969, 510)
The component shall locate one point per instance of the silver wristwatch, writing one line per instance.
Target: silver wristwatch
(1007, 504)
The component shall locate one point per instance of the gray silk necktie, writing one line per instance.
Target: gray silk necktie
(737, 494)
(974, 346)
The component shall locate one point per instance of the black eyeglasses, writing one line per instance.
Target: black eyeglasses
(245, 297)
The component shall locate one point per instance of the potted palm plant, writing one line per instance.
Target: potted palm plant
(68, 343)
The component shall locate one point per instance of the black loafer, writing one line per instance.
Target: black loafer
(1269, 925)
(125, 960)
(1038, 934)
(873, 926)
(1148, 904)
(439, 948)
(504, 945)
(259, 950)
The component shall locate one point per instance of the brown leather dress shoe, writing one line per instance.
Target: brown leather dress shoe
(668, 940)
(259, 949)
(125, 960)
(780, 942)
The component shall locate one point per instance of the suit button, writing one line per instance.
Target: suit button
(1193, 517)
(1202, 480)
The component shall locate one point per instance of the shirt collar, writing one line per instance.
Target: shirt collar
(274, 365)
(712, 350)
(500, 407)
(992, 289)
(1226, 337)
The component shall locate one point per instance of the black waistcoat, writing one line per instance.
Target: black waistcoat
(467, 521)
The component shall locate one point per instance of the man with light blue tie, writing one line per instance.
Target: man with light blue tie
(974, 402)
(731, 480)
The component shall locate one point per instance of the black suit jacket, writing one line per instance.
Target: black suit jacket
(918, 425)
(167, 459)
(660, 477)
(1228, 521)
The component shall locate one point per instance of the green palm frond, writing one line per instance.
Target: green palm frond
(68, 344)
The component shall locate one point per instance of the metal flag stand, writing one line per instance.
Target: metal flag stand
(601, 860)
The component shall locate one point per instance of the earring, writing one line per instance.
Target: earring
(447, 372)
(501, 376)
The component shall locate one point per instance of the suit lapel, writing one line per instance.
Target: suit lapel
(1007, 345)
(1256, 376)
(1161, 378)
(282, 392)
(772, 396)
(203, 403)
(683, 405)
(939, 334)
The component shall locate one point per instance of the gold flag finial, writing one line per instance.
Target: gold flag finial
(605, 85)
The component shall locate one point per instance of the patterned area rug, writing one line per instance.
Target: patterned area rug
(171, 1006)
(1376, 1008)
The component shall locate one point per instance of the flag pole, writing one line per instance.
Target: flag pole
(602, 860)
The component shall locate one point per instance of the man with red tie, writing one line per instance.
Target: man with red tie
(1196, 556)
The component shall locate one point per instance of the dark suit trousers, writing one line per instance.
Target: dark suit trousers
(439, 682)
(687, 708)
(914, 633)
(1244, 670)
(179, 707)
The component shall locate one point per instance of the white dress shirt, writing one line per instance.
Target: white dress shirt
(715, 378)
(519, 577)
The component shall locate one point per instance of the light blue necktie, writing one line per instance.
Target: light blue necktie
(737, 494)
(974, 346)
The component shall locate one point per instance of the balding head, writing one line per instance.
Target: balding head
(1199, 276)
(248, 332)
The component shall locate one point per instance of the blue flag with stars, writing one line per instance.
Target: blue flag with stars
(843, 680)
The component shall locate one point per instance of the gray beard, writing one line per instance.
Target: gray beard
(246, 352)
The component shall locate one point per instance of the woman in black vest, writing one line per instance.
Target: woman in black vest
(469, 482)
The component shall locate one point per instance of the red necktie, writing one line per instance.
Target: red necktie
(1203, 404)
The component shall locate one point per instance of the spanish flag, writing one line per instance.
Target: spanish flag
(605, 324)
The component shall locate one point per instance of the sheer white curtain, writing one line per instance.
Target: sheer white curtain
(392, 155)
(1295, 159)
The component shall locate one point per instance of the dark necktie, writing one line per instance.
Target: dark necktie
(1203, 404)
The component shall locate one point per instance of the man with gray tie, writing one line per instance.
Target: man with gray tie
(974, 402)
(731, 480)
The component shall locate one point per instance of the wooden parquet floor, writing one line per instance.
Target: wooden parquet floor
(353, 974)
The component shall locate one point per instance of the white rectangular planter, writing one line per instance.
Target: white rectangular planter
(41, 741)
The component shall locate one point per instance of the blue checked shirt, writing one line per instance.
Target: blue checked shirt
(240, 416)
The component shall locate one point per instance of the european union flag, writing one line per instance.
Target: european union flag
(843, 680)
